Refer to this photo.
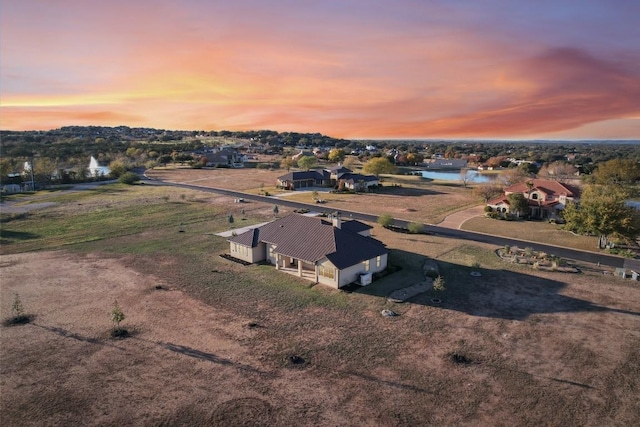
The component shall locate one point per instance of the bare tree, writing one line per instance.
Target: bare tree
(558, 171)
(467, 176)
(488, 191)
(513, 176)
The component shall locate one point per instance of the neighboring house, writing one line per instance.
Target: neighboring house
(331, 252)
(447, 164)
(546, 198)
(304, 179)
(327, 178)
(357, 182)
(224, 158)
(11, 188)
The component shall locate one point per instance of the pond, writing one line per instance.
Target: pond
(455, 176)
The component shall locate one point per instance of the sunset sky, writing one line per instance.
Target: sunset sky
(564, 69)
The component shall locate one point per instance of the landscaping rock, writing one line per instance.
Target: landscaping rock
(388, 313)
(401, 295)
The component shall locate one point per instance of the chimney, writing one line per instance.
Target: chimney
(336, 219)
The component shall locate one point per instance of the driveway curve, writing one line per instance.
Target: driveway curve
(456, 219)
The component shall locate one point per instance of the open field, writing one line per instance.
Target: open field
(212, 345)
(406, 197)
(535, 231)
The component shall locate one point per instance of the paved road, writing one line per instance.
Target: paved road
(568, 253)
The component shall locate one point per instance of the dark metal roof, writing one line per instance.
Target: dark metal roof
(355, 226)
(312, 239)
(296, 176)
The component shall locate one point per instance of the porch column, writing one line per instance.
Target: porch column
(299, 268)
(277, 261)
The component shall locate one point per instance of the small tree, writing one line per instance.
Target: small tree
(487, 191)
(518, 204)
(467, 176)
(230, 220)
(385, 220)
(275, 210)
(307, 162)
(17, 308)
(117, 316)
(314, 194)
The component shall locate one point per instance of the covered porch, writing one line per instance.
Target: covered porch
(296, 267)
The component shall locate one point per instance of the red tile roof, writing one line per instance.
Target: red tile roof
(546, 186)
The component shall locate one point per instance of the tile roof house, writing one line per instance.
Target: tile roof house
(327, 178)
(546, 198)
(334, 253)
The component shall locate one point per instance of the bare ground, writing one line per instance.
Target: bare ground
(549, 349)
(412, 199)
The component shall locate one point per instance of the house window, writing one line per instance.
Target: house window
(534, 196)
(366, 265)
(271, 251)
(327, 272)
(378, 261)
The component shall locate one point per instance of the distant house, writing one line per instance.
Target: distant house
(330, 177)
(443, 164)
(227, 157)
(11, 188)
(546, 198)
(331, 252)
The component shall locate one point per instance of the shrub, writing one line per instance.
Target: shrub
(438, 284)
(415, 227)
(488, 209)
(129, 178)
(385, 220)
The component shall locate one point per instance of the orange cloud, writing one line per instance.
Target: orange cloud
(168, 67)
(560, 90)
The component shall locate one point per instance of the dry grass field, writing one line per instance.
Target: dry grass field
(212, 341)
(403, 196)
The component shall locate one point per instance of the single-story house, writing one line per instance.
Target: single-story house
(546, 198)
(327, 178)
(304, 179)
(332, 252)
(11, 188)
(224, 158)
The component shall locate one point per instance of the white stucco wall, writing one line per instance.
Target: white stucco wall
(246, 253)
(326, 280)
(352, 274)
